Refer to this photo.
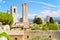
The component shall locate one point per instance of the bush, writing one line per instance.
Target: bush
(3, 34)
(35, 27)
(6, 18)
(37, 20)
(51, 20)
(50, 26)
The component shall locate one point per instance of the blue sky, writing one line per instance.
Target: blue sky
(41, 8)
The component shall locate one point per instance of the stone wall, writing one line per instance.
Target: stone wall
(50, 34)
(16, 37)
(28, 35)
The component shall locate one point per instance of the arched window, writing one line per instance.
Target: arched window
(15, 38)
(14, 10)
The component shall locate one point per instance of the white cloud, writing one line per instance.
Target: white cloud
(45, 13)
(50, 13)
(47, 4)
(31, 15)
(44, 3)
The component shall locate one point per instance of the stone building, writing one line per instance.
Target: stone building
(28, 35)
(13, 12)
(25, 12)
(47, 18)
(24, 19)
(15, 34)
(53, 34)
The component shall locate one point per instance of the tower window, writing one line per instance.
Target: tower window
(14, 10)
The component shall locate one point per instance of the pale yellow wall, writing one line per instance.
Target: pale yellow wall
(32, 34)
(19, 37)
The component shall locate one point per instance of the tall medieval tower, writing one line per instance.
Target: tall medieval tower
(13, 11)
(47, 18)
(25, 12)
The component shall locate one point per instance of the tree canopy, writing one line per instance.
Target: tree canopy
(51, 20)
(37, 21)
(6, 18)
(35, 27)
(50, 26)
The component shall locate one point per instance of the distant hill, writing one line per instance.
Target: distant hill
(30, 20)
(56, 18)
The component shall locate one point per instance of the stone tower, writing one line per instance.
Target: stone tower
(47, 18)
(13, 11)
(25, 12)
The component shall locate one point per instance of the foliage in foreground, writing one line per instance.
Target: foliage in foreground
(35, 27)
(50, 26)
(6, 18)
(5, 35)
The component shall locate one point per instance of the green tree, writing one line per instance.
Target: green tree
(35, 27)
(51, 20)
(50, 26)
(3, 34)
(6, 18)
(37, 21)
